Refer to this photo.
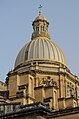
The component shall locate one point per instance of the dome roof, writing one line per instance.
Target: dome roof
(40, 17)
(40, 49)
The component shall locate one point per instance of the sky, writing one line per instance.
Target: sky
(16, 18)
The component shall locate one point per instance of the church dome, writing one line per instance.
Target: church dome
(40, 47)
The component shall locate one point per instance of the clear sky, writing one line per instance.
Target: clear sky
(16, 17)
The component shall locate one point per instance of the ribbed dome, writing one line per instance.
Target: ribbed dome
(40, 49)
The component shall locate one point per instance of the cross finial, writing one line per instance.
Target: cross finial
(40, 6)
(40, 11)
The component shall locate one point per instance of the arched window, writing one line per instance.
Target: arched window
(43, 28)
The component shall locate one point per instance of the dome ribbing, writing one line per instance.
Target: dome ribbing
(40, 47)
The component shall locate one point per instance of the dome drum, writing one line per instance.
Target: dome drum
(41, 66)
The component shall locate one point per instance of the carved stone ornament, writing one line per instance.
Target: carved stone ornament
(47, 81)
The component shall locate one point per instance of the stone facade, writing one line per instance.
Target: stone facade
(43, 81)
(36, 111)
(40, 86)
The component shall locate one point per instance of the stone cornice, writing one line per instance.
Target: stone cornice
(64, 112)
(27, 110)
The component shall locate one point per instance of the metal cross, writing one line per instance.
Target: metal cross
(40, 6)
